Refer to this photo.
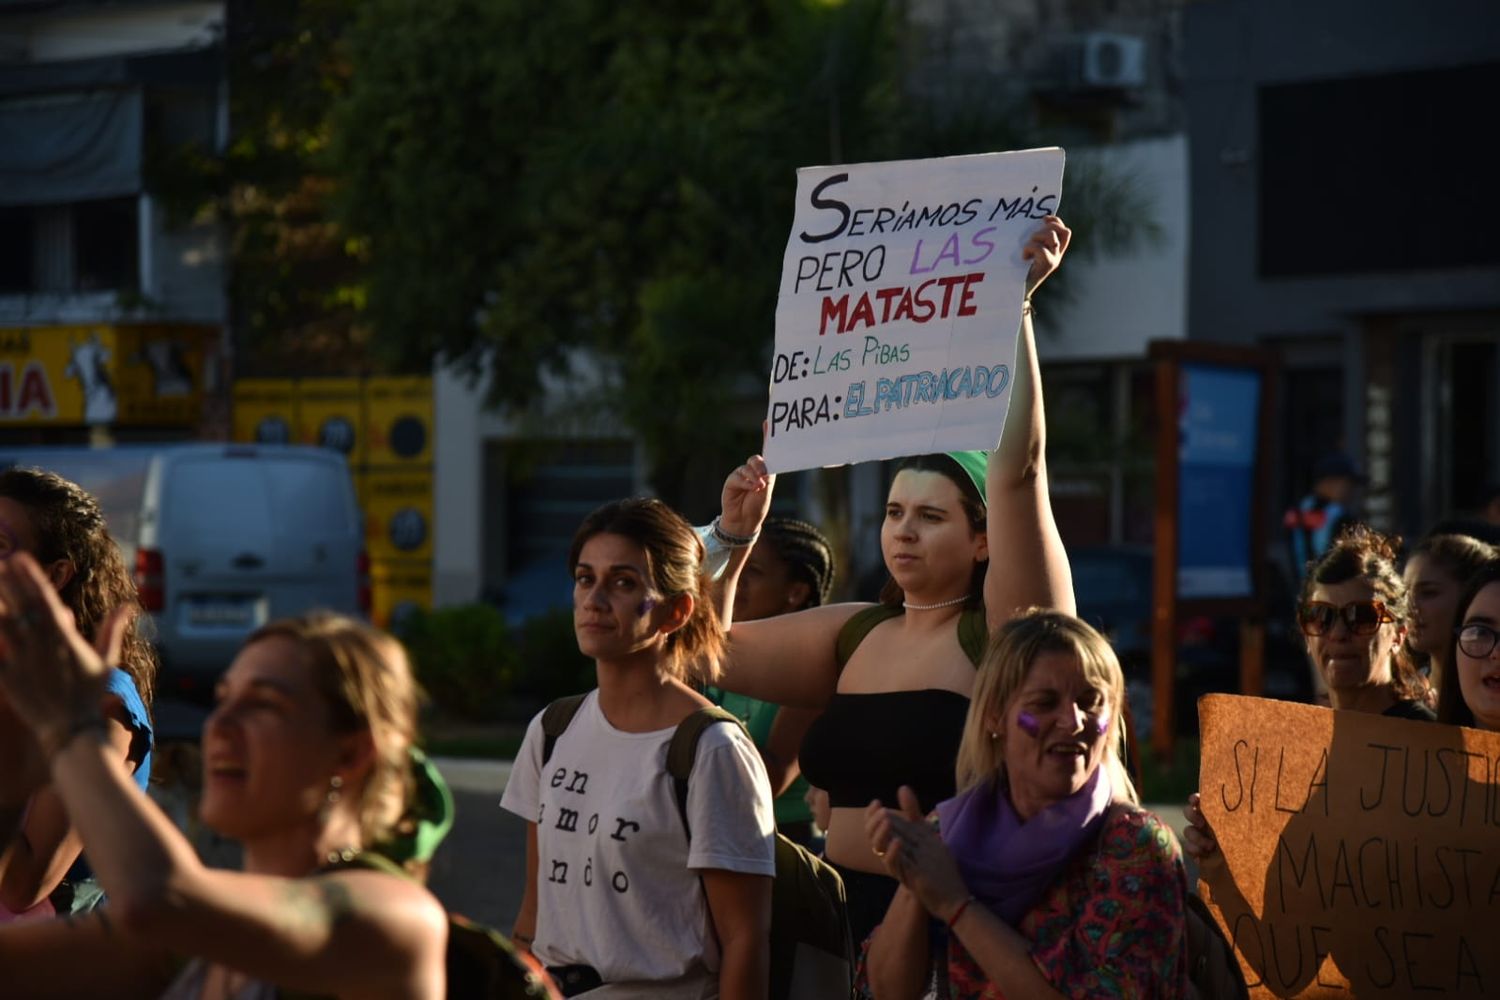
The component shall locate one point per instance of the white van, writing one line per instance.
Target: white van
(222, 538)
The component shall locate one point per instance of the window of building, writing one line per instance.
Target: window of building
(17, 236)
(89, 246)
(1387, 163)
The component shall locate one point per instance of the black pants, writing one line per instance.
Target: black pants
(869, 896)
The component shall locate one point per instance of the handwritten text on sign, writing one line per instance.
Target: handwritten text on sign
(900, 297)
(1360, 854)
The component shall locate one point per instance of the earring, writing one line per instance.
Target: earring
(335, 792)
(994, 735)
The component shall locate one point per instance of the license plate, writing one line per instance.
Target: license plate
(226, 614)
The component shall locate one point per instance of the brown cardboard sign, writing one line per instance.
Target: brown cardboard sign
(1359, 855)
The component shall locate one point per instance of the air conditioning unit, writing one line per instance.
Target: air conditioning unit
(1108, 61)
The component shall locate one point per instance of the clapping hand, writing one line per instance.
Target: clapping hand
(914, 853)
(1045, 250)
(53, 678)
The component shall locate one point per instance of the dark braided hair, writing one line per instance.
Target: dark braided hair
(66, 523)
(806, 552)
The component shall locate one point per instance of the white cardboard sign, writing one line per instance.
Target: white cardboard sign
(900, 299)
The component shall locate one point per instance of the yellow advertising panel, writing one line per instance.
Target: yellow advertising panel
(160, 373)
(265, 410)
(398, 586)
(330, 414)
(399, 417)
(102, 374)
(398, 513)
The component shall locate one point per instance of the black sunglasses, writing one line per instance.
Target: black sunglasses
(1361, 617)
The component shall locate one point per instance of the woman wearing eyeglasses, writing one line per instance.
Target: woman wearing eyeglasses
(1435, 575)
(1475, 655)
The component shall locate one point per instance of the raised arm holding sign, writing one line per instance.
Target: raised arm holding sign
(899, 288)
(968, 539)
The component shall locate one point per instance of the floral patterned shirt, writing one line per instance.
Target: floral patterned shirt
(1112, 926)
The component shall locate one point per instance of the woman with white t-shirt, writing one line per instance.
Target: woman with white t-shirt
(620, 902)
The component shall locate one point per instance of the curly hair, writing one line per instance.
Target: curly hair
(67, 523)
(1362, 553)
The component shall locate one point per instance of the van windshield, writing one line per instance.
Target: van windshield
(215, 497)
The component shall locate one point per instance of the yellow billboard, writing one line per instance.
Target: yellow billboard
(398, 413)
(397, 587)
(330, 414)
(398, 512)
(143, 375)
(265, 410)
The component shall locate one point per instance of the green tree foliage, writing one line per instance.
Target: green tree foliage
(535, 179)
(296, 285)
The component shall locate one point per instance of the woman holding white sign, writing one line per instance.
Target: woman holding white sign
(895, 678)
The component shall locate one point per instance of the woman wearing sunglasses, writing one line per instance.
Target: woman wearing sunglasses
(1475, 655)
(1353, 615)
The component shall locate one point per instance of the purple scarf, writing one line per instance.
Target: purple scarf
(1007, 863)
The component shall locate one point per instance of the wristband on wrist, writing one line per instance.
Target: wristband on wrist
(962, 909)
(729, 538)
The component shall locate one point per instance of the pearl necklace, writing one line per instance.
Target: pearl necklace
(933, 607)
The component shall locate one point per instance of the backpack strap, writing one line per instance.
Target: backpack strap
(556, 718)
(683, 750)
(860, 625)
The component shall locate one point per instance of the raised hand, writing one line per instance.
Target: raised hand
(1045, 250)
(52, 676)
(747, 497)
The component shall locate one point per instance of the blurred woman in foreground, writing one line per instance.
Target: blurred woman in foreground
(305, 763)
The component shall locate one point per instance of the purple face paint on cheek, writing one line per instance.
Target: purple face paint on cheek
(1100, 723)
(646, 606)
(1029, 724)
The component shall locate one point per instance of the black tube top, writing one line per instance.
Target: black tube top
(865, 746)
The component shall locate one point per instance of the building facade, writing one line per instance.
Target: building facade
(1343, 214)
(111, 311)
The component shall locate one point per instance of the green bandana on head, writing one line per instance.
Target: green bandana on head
(976, 464)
